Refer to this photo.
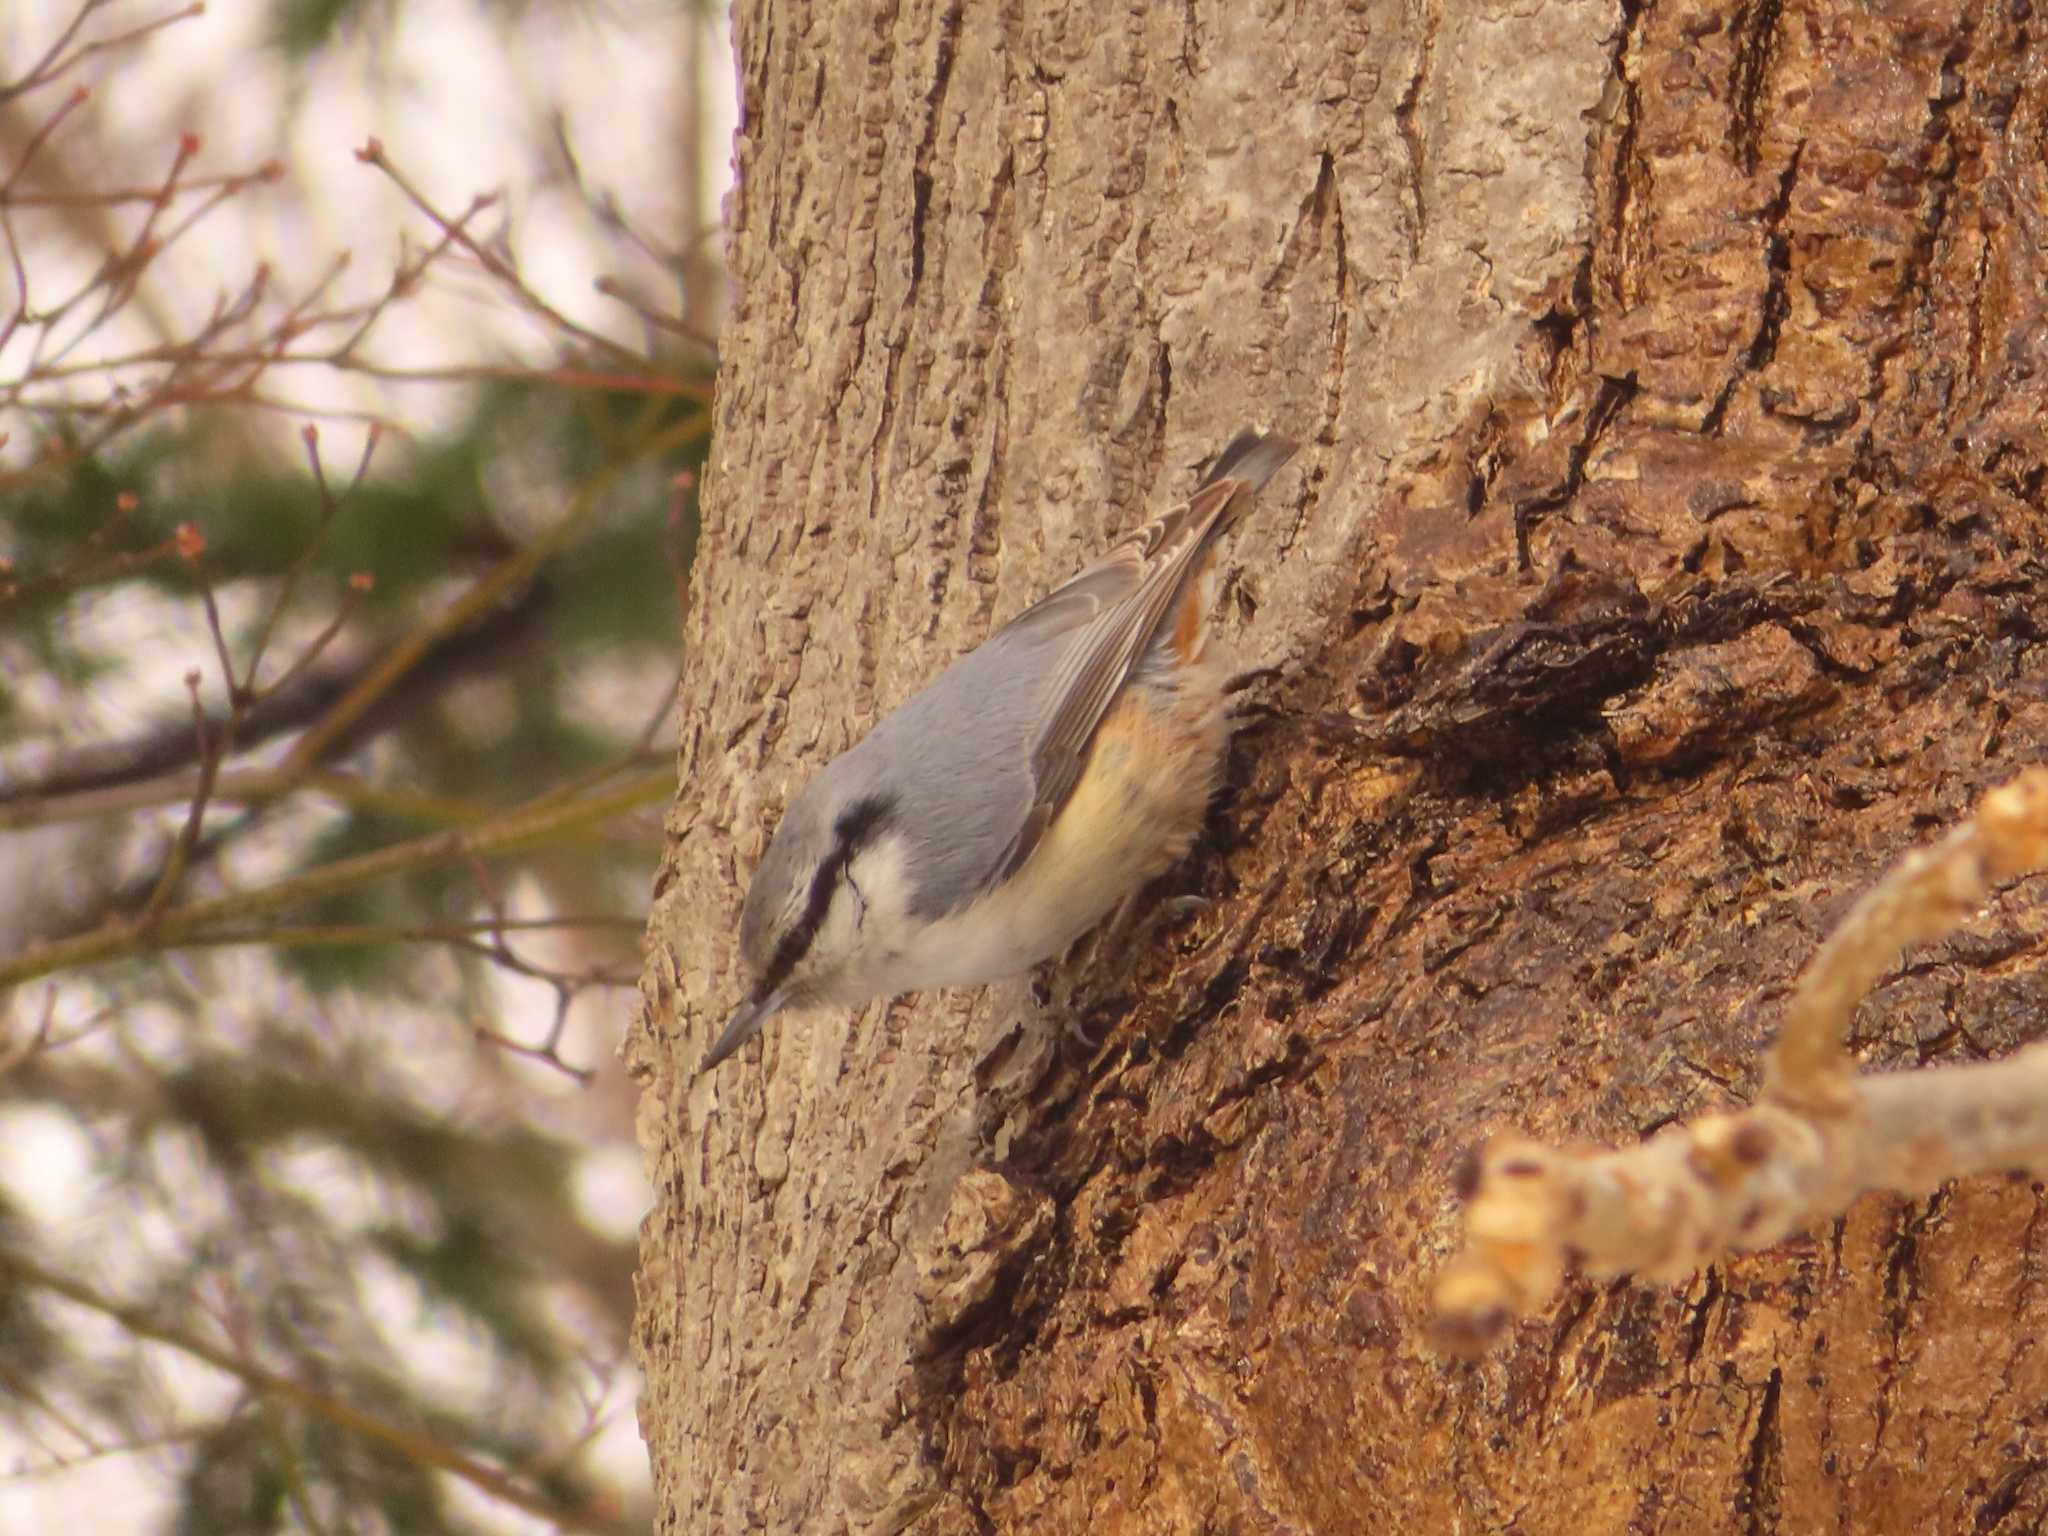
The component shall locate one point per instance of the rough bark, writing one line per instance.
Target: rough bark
(1664, 560)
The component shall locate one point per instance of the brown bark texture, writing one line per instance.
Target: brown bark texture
(1664, 558)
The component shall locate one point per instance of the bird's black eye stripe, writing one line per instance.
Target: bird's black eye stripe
(859, 822)
(858, 826)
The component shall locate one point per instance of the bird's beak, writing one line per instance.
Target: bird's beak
(744, 1026)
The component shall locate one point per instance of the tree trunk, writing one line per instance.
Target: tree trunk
(1662, 561)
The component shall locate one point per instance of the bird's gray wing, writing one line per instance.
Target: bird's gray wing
(1117, 606)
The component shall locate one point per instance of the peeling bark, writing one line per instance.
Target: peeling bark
(1665, 559)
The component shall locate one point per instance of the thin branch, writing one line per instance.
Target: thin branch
(41, 137)
(92, 566)
(365, 935)
(143, 761)
(638, 754)
(515, 830)
(46, 68)
(547, 1053)
(1820, 1137)
(417, 1447)
(53, 67)
(212, 749)
(56, 1464)
(507, 575)
(45, 1039)
(1925, 896)
(342, 359)
(372, 153)
(288, 589)
(14, 1052)
(661, 319)
(567, 987)
(250, 786)
(269, 171)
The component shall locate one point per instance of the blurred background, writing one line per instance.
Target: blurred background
(355, 368)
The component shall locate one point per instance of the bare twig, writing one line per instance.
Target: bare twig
(270, 171)
(521, 828)
(61, 58)
(53, 61)
(212, 749)
(96, 563)
(362, 935)
(372, 153)
(288, 589)
(413, 1444)
(14, 1052)
(152, 768)
(243, 787)
(567, 986)
(504, 578)
(1925, 896)
(57, 1464)
(1820, 1136)
(660, 319)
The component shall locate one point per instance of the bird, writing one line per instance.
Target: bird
(1037, 784)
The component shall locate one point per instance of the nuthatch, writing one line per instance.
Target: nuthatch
(1004, 809)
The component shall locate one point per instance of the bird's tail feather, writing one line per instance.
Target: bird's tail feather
(1250, 456)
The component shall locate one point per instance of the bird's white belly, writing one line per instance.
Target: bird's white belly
(1136, 808)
